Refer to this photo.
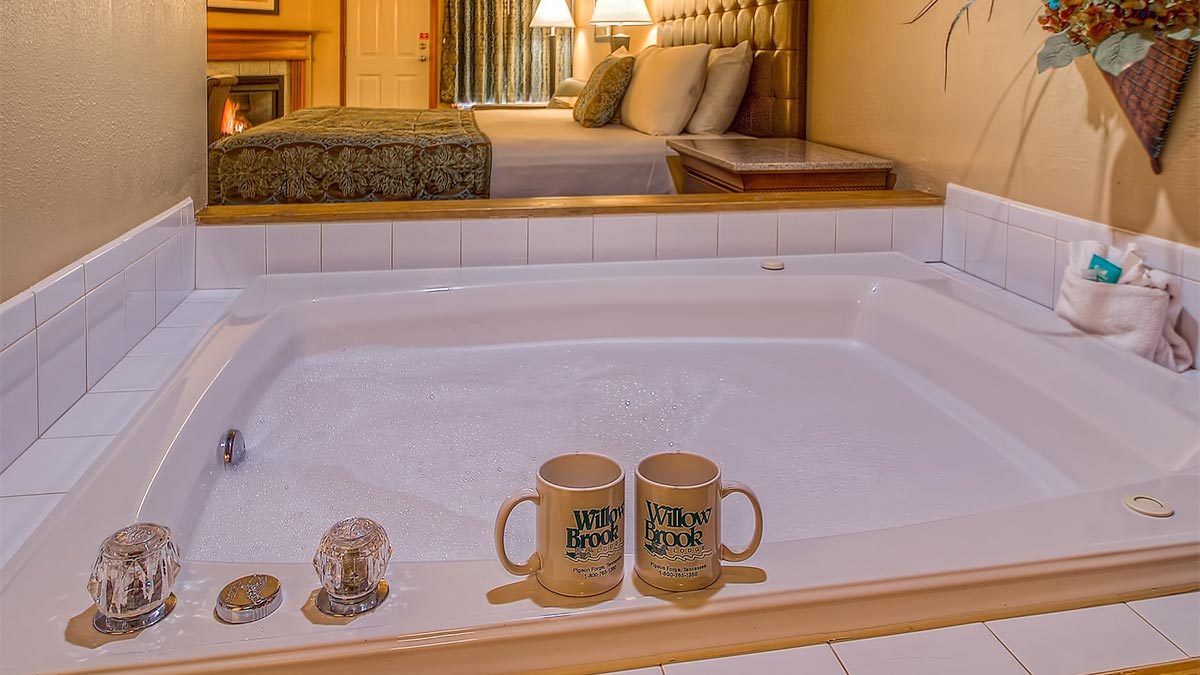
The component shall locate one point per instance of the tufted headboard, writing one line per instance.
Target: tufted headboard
(774, 105)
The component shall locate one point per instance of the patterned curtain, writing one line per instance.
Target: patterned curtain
(490, 55)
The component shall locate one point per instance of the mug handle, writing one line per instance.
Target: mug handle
(535, 561)
(728, 488)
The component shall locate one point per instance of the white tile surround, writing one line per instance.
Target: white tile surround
(1019, 249)
(61, 337)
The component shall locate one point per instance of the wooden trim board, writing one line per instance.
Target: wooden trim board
(547, 207)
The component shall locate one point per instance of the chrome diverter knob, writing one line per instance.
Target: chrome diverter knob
(351, 561)
(132, 578)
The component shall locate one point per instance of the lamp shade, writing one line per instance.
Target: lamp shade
(621, 13)
(552, 14)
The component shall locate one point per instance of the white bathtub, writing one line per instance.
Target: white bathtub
(925, 454)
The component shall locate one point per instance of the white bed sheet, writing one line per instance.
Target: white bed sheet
(544, 152)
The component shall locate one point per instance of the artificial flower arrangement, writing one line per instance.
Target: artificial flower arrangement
(1117, 33)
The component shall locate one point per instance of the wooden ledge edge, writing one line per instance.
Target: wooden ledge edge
(548, 207)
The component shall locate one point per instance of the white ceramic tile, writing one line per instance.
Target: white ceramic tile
(1189, 318)
(1091, 640)
(356, 247)
(994, 291)
(195, 313)
(986, 205)
(560, 240)
(62, 359)
(987, 243)
(102, 265)
(969, 648)
(105, 328)
(18, 398)
(917, 232)
(1190, 263)
(230, 257)
(51, 465)
(686, 236)
(16, 318)
(954, 237)
(225, 295)
(426, 243)
(99, 414)
(1033, 219)
(139, 300)
(167, 225)
(139, 241)
(1062, 255)
(652, 670)
(814, 660)
(495, 241)
(188, 208)
(168, 277)
(630, 237)
(956, 196)
(19, 517)
(293, 248)
(807, 231)
(165, 341)
(1070, 228)
(1029, 270)
(139, 373)
(747, 233)
(864, 230)
(187, 246)
(53, 295)
(1177, 617)
(1160, 254)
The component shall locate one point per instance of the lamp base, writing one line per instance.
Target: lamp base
(617, 41)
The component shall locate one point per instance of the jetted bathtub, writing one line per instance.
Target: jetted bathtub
(925, 454)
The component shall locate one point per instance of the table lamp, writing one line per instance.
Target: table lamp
(552, 14)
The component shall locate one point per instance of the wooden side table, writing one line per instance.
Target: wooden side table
(777, 165)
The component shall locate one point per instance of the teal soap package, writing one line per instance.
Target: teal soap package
(1105, 271)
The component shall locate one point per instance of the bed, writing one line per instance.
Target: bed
(357, 154)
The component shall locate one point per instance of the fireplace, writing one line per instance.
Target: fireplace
(255, 99)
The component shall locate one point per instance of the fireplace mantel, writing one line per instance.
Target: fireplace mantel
(267, 45)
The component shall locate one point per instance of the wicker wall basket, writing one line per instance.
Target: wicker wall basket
(1149, 92)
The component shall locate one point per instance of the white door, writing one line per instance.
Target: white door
(388, 53)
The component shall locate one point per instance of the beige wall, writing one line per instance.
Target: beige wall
(102, 126)
(588, 52)
(322, 18)
(1057, 140)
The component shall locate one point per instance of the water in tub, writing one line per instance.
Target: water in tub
(832, 436)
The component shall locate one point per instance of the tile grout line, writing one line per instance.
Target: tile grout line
(836, 655)
(1006, 647)
(1156, 630)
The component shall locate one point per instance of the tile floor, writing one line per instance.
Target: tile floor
(1076, 642)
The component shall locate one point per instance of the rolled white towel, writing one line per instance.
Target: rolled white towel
(1139, 313)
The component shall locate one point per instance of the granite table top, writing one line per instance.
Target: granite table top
(749, 155)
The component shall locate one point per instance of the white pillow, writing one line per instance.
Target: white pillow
(728, 76)
(667, 84)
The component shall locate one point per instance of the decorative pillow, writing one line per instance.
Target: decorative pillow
(569, 87)
(601, 96)
(562, 102)
(667, 84)
(728, 76)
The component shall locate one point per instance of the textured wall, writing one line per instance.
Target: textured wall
(587, 53)
(1057, 140)
(102, 124)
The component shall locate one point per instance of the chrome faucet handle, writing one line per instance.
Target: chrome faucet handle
(350, 562)
(132, 578)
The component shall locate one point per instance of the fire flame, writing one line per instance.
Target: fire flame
(230, 122)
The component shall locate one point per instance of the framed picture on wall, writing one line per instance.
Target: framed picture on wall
(249, 6)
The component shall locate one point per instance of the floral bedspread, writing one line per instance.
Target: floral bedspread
(351, 155)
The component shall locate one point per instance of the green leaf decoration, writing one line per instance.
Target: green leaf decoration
(1121, 50)
(1059, 52)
